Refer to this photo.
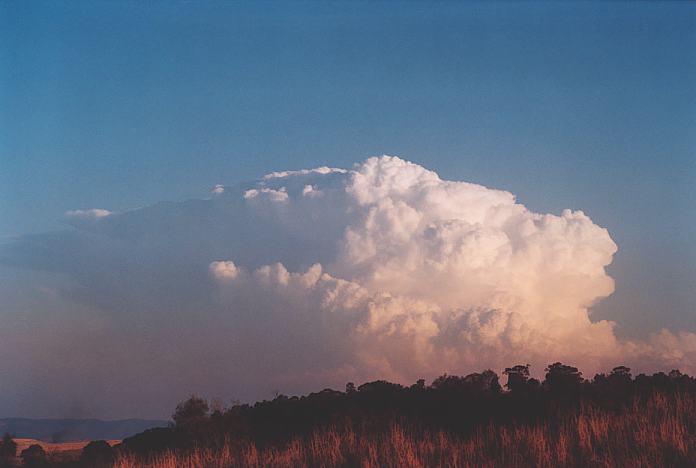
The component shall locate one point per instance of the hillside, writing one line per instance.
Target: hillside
(67, 430)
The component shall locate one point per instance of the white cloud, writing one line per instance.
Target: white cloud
(225, 269)
(268, 193)
(94, 213)
(323, 170)
(315, 277)
(310, 191)
(453, 272)
(456, 274)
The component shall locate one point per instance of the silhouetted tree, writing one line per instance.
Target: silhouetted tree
(622, 373)
(562, 378)
(486, 381)
(517, 377)
(190, 411)
(8, 447)
(217, 406)
(97, 453)
(451, 403)
(379, 386)
(34, 456)
(472, 383)
(449, 382)
(533, 384)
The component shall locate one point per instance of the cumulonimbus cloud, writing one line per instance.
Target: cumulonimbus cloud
(316, 277)
(457, 275)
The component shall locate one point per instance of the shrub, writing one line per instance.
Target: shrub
(34, 456)
(8, 447)
(97, 453)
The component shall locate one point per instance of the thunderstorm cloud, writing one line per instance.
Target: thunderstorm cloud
(305, 279)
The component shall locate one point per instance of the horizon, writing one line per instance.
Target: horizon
(172, 220)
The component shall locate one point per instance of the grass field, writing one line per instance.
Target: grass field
(57, 452)
(659, 432)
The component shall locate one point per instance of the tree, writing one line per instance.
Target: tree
(379, 386)
(8, 447)
(448, 382)
(486, 381)
(560, 377)
(620, 373)
(350, 387)
(517, 377)
(474, 383)
(217, 406)
(34, 456)
(191, 410)
(97, 453)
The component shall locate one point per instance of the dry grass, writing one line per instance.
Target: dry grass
(50, 447)
(659, 432)
(60, 452)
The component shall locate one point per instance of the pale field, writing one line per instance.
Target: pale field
(58, 451)
(57, 447)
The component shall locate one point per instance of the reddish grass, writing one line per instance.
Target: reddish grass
(660, 431)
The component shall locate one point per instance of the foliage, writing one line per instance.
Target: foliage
(190, 411)
(563, 420)
(34, 456)
(653, 431)
(8, 447)
(518, 377)
(97, 453)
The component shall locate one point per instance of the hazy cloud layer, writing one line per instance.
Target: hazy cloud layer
(305, 279)
(94, 213)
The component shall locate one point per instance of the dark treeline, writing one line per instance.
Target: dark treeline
(454, 404)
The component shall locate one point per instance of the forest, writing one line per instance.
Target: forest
(612, 419)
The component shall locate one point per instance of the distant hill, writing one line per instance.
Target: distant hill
(66, 430)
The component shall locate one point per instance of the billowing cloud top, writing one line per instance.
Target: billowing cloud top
(315, 277)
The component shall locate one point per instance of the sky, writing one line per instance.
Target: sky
(122, 106)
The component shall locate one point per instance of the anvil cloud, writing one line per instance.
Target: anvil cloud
(310, 278)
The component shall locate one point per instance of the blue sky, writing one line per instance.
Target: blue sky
(585, 105)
